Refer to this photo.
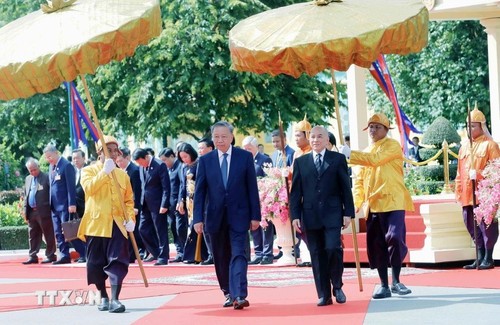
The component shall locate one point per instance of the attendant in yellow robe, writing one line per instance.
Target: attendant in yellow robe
(484, 149)
(104, 225)
(380, 185)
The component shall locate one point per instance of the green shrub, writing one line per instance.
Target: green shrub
(436, 172)
(11, 173)
(10, 216)
(441, 129)
(14, 237)
(9, 197)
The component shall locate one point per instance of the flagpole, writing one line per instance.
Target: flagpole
(70, 115)
(117, 185)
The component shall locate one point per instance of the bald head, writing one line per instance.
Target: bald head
(318, 138)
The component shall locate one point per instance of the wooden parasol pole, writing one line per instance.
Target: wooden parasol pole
(106, 154)
(353, 223)
(469, 134)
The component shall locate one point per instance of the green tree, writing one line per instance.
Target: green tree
(182, 82)
(439, 80)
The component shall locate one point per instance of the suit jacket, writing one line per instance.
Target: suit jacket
(62, 185)
(135, 179)
(259, 161)
(239, 202)
(321, 199)
(80, 195)
(289, 156)
(175, 174)
(156, 186)
(42, 196)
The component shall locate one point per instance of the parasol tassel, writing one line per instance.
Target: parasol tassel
(55, 5)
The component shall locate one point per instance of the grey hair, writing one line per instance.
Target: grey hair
(222, 124)
(250, 140)
(32, 161)
(50, 148)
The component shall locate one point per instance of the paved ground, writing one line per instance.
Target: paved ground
(180, 294)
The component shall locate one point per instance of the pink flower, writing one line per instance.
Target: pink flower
(488, 194)
(273, 195)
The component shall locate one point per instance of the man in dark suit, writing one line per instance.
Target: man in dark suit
(226, 180)
(132, 170)
(277, 156)
(37, 214)
(177, 222)
(263, 238)
(78, 161)
(62, 200)
(321, 196)
(155, 201)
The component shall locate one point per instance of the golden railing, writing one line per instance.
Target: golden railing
(447, 188)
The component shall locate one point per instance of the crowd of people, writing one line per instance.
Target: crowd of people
(208, 200)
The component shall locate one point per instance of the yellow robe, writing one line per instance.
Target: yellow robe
(380, 181)
(484, 149)
(102, 202)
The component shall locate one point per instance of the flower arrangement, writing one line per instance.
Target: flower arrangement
(273, 195)
(488, 194)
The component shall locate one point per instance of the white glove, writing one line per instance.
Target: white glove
(472, 174)
(346, 151)
(109, 165)
(129, 226)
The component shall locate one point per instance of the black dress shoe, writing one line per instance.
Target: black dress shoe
(177, 259)
(256, 260)
(115, 306)
(228, 302)
(400, 289)
(266, 261)
(62, 261)
(485, 265)
(188, 262)
(324, 302)
(304, 264)
(278, 256)
(81, 260)
(150, 259)
(339, 296)
(208, 261)
(31, 261)
(382, 292)
(240, 303)
(49, 260)
(161, 263)
(104, 305)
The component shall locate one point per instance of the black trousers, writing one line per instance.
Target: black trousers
(107, 257)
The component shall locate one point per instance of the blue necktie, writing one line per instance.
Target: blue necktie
(223, 169)
(318, 163)
(33, 189)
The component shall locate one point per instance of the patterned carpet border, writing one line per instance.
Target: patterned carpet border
(275, 277)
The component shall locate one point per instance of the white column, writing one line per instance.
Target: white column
(357, 105)
(493, 29)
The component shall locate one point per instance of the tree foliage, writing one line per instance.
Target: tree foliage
(182, 82)
(440, 80)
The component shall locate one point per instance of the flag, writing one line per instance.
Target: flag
(380, 72)
(79, 114)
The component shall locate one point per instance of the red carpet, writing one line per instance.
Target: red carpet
(283, 303)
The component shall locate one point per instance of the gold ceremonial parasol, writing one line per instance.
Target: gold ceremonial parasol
(41, 50)
(309, 37)
(328, 34)
(70, 38)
